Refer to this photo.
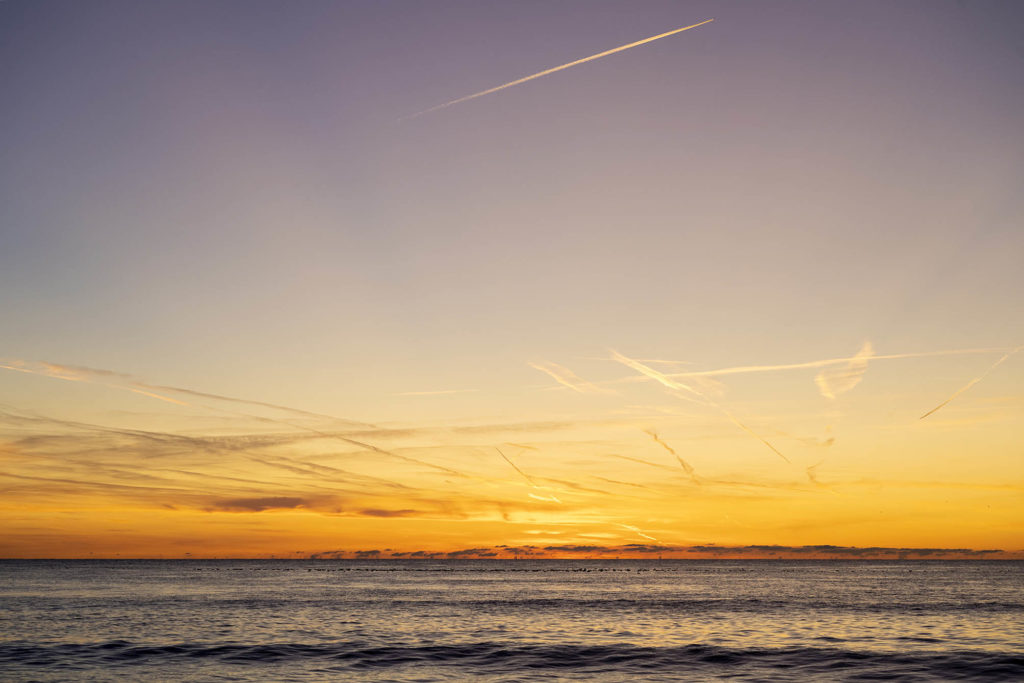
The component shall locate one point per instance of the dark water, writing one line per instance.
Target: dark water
(510, 621)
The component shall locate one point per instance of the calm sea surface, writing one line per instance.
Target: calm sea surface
(510, 621)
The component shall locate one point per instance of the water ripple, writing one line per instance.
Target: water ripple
(491, 657)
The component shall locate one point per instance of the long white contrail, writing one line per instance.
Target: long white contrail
(554, 69)
(744, 369)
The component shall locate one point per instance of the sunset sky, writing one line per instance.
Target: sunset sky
(260, 294)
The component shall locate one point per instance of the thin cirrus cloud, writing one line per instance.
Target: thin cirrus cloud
(200, 472)
(194, 471)
(127, 382)
(63, 481)
(68, 439)
(555, 69)
(290, 471)
(82, 440)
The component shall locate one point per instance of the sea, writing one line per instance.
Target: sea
(494, 620)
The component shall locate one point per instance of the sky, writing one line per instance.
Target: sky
(275, 282)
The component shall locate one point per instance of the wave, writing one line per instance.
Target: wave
(497, 657)
(656, 604)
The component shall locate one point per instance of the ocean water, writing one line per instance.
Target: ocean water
(510, 620)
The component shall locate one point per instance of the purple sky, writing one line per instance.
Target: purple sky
(225, 196)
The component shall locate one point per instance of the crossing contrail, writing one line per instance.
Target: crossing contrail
(679, 387)
(554, 69)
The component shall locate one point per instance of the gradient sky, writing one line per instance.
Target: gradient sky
(211, 201)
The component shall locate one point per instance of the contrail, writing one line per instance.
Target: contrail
(744, 369)
(523, 446)
(366, 446)
(568, 378)
(687, 467)
(516, 468)
(93, 376)
(88, 375)
(663, 379)
(748, 430)
(622, 483)
(658, 377)
(554, 69)
(528, 479)
(74, 373)
(973, 381)
(635, 530)
(643, 462)
(216, 445)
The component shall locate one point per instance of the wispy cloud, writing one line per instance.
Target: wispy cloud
(812, 473)
(259, 504)
(838, 380)
(973, 381)
(556, 69)
(73, 460)
(377, 512)
(81, 374)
